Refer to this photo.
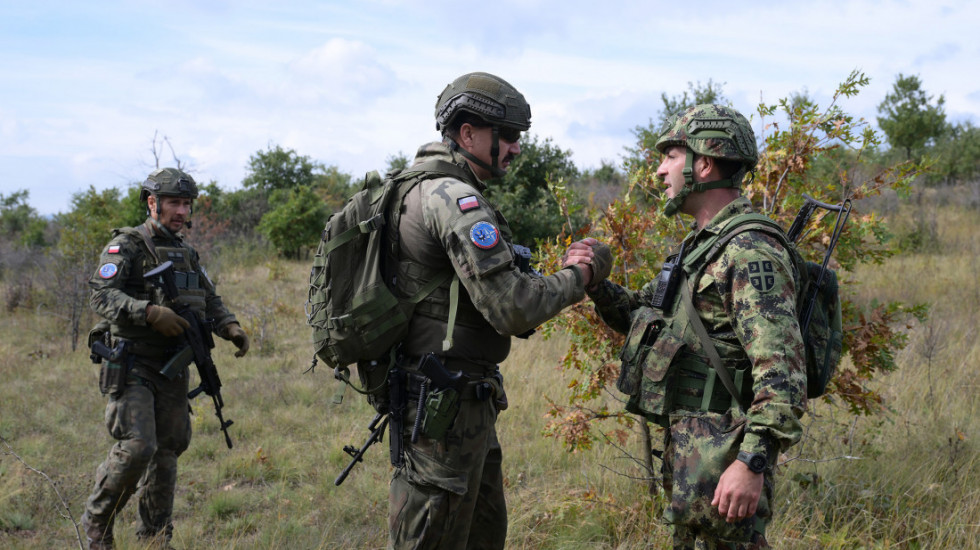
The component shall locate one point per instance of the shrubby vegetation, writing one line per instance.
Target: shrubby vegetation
(263, 230)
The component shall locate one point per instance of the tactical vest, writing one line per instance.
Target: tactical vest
(665, 366)
(191, 288)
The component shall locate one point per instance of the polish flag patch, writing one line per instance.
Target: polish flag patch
(114, 249)
(468, 203)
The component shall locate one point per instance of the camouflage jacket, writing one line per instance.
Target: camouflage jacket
(757, 320)
(121, 295)
(447, 224)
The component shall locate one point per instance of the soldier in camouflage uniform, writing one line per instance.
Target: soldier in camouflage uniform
(448, 494)
(718, 456)
(148, 413)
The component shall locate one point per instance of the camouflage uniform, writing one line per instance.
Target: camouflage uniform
(149, 416)
(753, 325)
(449, 493)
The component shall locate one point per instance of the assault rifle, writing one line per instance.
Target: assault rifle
(377, 432)
(796, 231)
(199, 344)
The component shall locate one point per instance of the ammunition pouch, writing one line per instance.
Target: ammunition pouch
(647, 357)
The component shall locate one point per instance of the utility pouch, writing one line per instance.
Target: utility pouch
(115, 366)
(112, 378)
(441, 407)
(645, 325)
(648, 356)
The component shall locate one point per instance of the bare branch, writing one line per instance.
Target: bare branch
(67, 513)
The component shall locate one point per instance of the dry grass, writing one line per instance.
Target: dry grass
(910, 479)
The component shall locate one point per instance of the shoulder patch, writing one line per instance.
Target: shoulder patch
(468, 203)
(114, 249)
(762, 275)
(108, 271)
(484, 235)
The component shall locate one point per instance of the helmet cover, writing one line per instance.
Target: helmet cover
(487, 96)
(169, 182)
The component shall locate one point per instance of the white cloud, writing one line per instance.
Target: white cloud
(341, 72)
(84, 90)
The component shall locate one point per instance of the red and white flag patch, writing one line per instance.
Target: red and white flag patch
(114, 249)
(468, 203)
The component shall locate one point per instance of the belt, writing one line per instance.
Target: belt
(473, 390)
(471, 369)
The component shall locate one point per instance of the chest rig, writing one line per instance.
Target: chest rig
(666, 365)
(190, 282)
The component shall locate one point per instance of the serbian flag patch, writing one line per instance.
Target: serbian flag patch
(468, 203)
(114, 249)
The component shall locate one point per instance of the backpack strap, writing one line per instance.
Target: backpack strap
(146, 239)
(414, 175)
(710, 350)
(697, 261)
(695, 265)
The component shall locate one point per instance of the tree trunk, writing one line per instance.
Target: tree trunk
(648, 456)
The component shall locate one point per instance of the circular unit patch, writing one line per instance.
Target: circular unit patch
(484, 235)
(108, 271)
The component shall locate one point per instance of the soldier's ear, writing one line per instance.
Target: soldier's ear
(466, 135)
(704, 168)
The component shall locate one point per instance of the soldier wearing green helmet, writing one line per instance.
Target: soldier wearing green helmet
(447, 490)
(729, 292)
(147, 411)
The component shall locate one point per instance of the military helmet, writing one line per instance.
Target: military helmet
(487, 96)
(712, 131)
(169, 182)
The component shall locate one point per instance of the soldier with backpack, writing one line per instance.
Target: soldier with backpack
(714, 352)
(472, 291)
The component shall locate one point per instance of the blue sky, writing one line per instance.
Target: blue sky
(86, 86)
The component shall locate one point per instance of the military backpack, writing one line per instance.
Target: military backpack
(355, 315)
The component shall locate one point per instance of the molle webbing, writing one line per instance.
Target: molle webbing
(189, 286)
(696, 385)
(438, 304)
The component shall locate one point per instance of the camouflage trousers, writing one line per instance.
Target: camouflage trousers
(450, 492)
(150, 422)
(697, 450)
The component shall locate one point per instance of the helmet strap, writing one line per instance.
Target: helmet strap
(494, 169)
(673, 206)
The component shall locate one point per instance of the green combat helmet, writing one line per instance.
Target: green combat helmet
(712, 131)
(169, 182)
(491, 99)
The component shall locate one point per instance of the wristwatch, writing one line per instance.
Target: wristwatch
(756, 462)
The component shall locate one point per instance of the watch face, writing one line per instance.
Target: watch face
(757, 463)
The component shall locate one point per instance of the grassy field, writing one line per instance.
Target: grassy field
(907, 478)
